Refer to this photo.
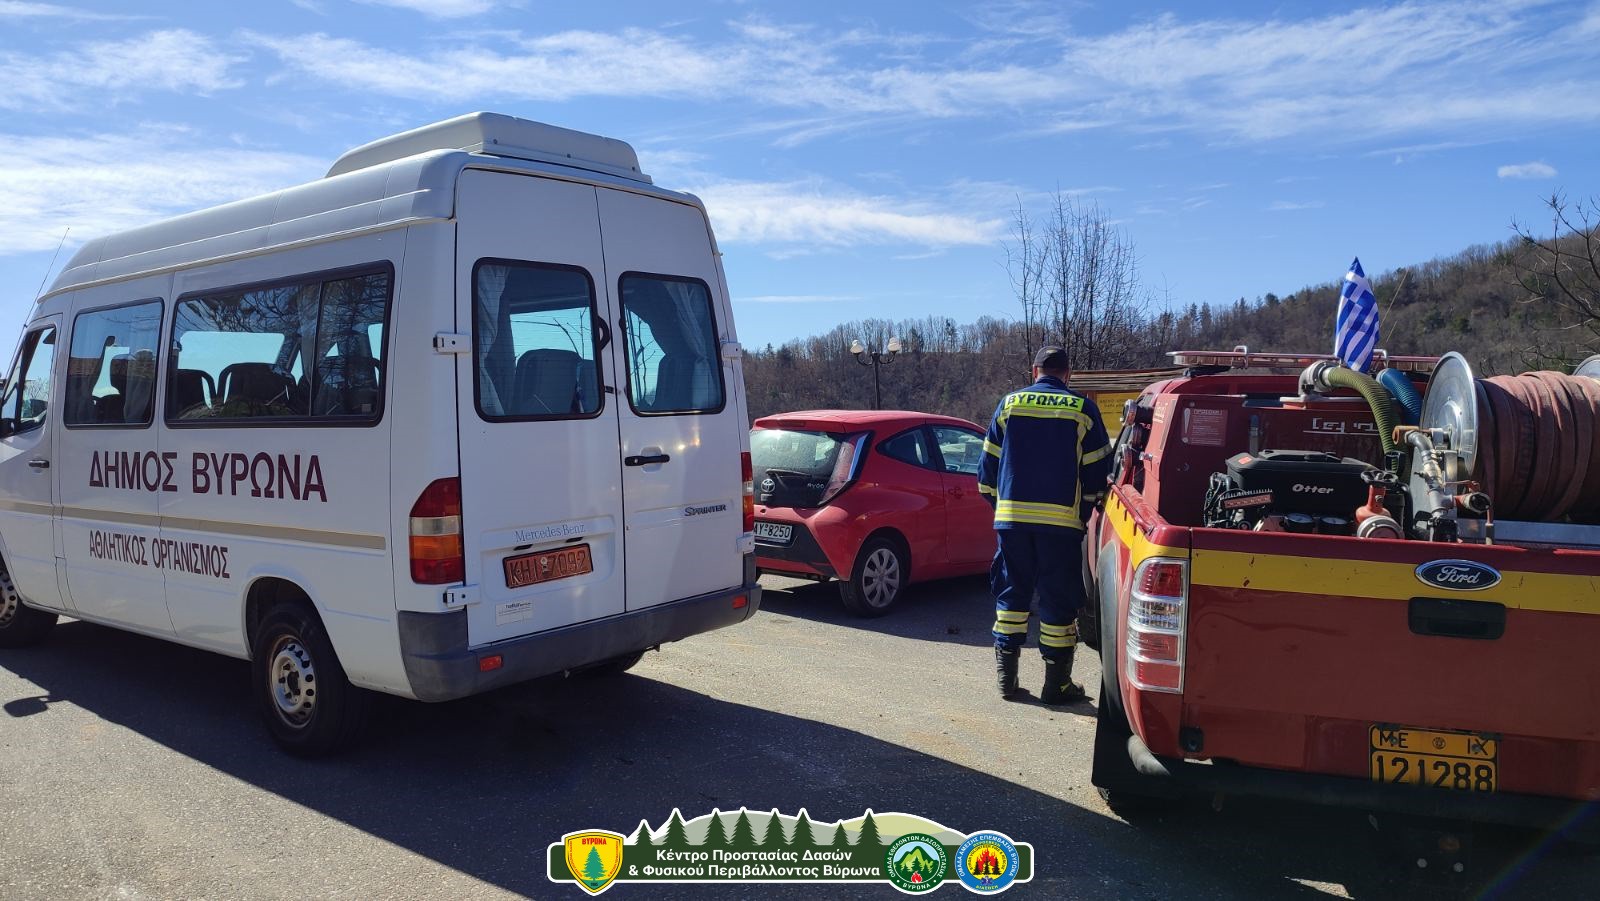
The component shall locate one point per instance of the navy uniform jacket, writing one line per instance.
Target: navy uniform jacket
(1045, 457)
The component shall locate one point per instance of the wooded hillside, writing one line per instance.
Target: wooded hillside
(1502, 306)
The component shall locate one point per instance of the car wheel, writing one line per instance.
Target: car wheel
(878, 579)
(20, 625)
(308, 703)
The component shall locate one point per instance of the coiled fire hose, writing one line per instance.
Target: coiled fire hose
(1538, 454)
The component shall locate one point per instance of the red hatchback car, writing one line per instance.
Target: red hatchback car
(876, 499)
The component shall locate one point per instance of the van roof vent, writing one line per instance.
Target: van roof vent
(500, 135)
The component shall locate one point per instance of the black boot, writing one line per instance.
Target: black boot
(1005, 670)
(1058, 685)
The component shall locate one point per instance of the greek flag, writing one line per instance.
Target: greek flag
(1356, 330)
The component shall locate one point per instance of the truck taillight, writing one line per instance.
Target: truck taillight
(747, 472)
(437, 554)
(1156, 622)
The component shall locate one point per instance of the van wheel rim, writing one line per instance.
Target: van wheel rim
(293, 682)
(880, 578)
(9, 602)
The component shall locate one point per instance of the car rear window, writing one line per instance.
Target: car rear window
(793, 467)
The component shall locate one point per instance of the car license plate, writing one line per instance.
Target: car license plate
(774, 533)
(1460, 761)
(548, 566)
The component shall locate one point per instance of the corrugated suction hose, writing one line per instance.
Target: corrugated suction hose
(1328, 376)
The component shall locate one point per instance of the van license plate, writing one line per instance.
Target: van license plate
(774, 533)
(548, 566)
(1461, 761)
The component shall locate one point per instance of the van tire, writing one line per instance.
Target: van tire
(878, 579)
(308, 704)
(20, 625)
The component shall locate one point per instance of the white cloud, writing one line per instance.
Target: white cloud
(104, 183)
(101, 72)
(17, 9)
(439, 9)
(1285, 206)
(1350, 76)
(813, 213)
(1527, 170)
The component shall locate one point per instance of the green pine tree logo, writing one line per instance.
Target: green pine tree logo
(594, 870)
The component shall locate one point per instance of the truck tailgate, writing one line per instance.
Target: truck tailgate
(1316, 653)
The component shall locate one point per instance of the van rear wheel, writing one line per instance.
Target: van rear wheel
(20, 625)
(307, 702)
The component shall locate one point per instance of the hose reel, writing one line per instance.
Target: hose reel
(1518, 447)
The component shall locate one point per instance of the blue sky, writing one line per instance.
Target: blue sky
(857, 158)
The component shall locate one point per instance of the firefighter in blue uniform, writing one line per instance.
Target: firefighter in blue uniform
(1044, 468)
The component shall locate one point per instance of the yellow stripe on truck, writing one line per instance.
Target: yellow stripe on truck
(1345, 577)
(1549, 592)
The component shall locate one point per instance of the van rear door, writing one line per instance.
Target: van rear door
(540, 480)
(682, 430)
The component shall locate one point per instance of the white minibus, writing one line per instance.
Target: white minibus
(465, 412)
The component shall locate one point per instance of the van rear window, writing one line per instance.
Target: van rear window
(674, 363)
(534, 341)
(311, 349)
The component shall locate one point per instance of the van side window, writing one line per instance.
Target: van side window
(27, 397)
(534, 342)
(111, 372)
(674, 364)
(308, 349)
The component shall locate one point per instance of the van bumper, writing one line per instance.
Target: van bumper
(441, 667)
(1575, 820)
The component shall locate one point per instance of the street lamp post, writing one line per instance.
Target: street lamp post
(875, 358)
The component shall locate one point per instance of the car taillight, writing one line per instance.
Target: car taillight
(845, 468)
(1156, 624)
(747, 472)
(437, 554)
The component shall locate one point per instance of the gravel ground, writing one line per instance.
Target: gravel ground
(132, 768)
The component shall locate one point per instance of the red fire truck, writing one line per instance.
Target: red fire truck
(1315, 585)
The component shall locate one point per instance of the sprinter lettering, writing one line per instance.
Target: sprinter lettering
(132, 470)
(280, 476)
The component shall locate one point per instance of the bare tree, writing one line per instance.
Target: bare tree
(1563, 271)
(1076, 276)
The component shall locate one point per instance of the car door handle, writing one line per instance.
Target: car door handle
(39, 464)
(646, 460)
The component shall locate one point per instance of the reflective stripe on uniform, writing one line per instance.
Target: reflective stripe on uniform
(1058, 636)
(1096, 456)
(989, 447)
(1011, 622)
(1037, 514)
(987, 489)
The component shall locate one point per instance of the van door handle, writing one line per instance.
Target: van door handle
(39, 464)
(646, 460)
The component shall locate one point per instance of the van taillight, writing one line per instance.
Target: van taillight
(747, 473)
(1157, 622)
(437, 556)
